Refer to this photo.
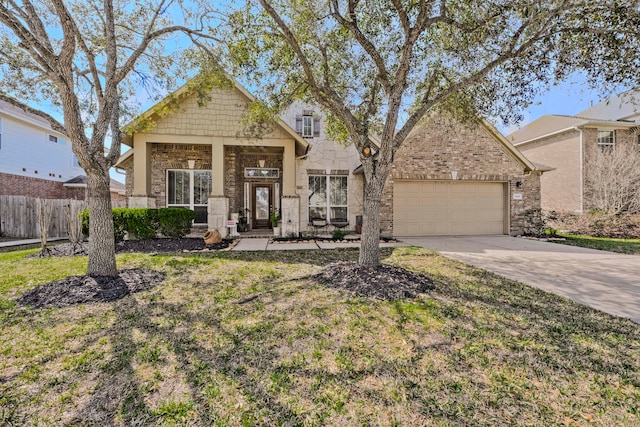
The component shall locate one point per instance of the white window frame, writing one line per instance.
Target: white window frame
(307, 126)
(328, 205)
(191, 205)
(610, 143)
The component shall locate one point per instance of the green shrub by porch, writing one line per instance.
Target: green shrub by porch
(146, 223)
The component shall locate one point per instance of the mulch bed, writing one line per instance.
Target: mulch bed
(86, 289)
(140, 246)
(385, 282)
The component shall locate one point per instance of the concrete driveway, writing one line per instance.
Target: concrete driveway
(606, 281)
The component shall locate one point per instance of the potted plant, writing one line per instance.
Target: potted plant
(275, 222)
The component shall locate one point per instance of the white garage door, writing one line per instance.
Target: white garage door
(423, 208)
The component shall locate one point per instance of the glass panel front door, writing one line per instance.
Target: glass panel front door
(262, 205)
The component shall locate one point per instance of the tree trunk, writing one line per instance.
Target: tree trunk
(370, 240)
(102, 248)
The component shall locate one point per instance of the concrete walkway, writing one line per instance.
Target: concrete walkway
(26, 242)
(607, 281)
(263, 244)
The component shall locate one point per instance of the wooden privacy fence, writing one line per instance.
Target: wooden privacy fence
(19, 216)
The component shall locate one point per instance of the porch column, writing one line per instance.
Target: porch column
(290, 205)
(218, 204)
(289, 170)
(290, 208)
(141, 197)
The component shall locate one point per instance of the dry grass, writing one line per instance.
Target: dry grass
(478, 350)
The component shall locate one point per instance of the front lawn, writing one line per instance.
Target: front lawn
(624, 246)
(235, 338)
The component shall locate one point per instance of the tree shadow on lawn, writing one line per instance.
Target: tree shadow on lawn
(319, 257)
(567, 331)
(161, 368)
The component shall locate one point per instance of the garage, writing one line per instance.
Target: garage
(423, 208)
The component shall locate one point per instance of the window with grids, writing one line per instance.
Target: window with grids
(606, 140)
(189, 189)
(328, 198)
(307, 126)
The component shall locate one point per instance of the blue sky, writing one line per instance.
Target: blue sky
(568, 98)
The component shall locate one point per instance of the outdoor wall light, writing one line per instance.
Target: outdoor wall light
(518, 184)
(366, 151)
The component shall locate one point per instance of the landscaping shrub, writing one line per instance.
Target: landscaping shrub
(338, 234)
(145, 223)
(600, 224)
(175, 222)
(140, 223)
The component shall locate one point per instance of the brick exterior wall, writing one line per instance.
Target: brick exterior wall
(623, 137)
(561, 186)
(236, 159)
(441, 145)
(16, 185)
(171, 156)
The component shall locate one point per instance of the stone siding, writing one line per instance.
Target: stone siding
(440, 146)
(326, 157)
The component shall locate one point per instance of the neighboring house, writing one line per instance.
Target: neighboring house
(37, 161)
(567, 143)
(116, 188)
(447, 179)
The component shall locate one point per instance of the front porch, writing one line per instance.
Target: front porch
(224, 180)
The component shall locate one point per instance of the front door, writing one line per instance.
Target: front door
(262, 203)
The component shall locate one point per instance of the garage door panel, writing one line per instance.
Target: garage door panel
(448, 208)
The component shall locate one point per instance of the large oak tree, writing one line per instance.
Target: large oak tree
(86, 59)
(377, 67)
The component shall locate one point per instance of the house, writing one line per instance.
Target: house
(448, 179)
(37, 161)
(567, 143)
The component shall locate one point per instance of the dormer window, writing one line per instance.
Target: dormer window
(308, 124)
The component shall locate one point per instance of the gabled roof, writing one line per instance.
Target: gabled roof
(624, 106)
(80, 181)
(554, 124)
(495, 133)
(25, 116)
(302, 146)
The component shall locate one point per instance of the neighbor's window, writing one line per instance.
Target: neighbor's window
(76, 163)
(53, 138)
(332, 208)
(189, 189)
(606, 140)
